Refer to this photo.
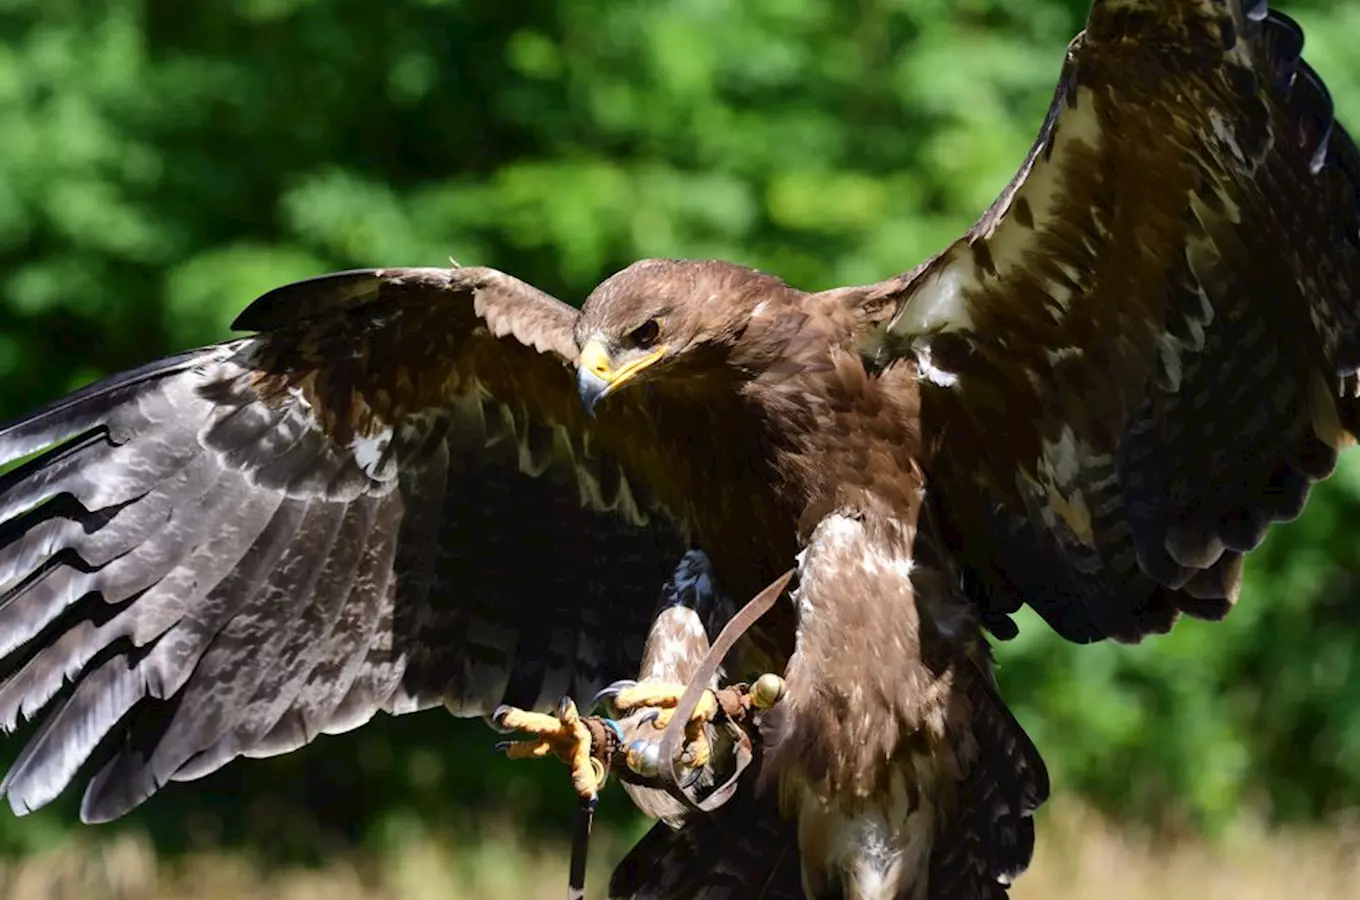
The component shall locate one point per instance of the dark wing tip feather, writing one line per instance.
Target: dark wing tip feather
(1196, 546)
(1307, 96)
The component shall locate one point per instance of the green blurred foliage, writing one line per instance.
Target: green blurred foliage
(163, 162)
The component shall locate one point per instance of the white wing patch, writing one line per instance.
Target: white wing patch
(370, 452)
(1077, 128)
(939, 303)
(925, 364)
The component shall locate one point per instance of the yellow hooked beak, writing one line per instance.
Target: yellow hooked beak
(596, 377)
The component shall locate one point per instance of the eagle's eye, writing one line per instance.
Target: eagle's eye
(645, 334)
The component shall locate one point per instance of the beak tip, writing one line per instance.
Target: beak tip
(591, 388)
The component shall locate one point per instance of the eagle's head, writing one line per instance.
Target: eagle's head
(667, 318)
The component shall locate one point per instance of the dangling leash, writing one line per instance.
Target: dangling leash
(580, 849)
(737, 626)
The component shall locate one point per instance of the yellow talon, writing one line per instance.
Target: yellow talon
(665, 697)
(513, 719)
(649, 693)
(659, 699)
(564, 736)
(528, 749)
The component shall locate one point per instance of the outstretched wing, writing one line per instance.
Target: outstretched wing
(1145, 352)
(387, 499)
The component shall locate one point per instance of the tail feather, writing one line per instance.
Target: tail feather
(743, 851)
(989, 842)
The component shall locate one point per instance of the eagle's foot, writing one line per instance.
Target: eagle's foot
(566, 735)
(630, 696)
(660, 698)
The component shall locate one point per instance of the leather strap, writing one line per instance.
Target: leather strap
(580, 850)
(747, 616)
(739, 624)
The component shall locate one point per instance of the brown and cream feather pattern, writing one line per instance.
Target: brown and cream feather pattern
(892, 768)
(1094, 402)
(906, 774)
(1145, 352)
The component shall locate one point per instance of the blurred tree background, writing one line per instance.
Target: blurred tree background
(163, 162)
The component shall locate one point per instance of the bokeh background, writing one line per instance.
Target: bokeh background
(162, 162)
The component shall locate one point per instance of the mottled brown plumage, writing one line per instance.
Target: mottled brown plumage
(1094, 402)
(1163, 330)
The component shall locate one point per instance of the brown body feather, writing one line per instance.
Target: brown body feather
(1094, 402)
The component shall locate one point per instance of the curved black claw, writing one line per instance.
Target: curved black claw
(609, 692)
(497, 719)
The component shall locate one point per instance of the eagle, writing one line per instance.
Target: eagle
(418, 487)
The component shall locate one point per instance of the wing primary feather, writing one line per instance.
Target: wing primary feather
(31, 539)
(177, 653)
(92, 406)
(28, 608)
(97, 538)
(117, 788)
(414, 616)
(376, 674)
(142, 620)
(400, 616)
(50, 474)
(358, 627)
(70, 733)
